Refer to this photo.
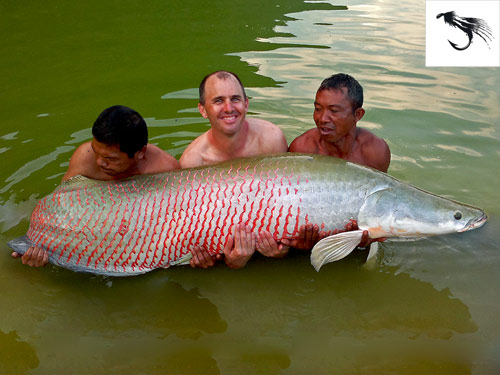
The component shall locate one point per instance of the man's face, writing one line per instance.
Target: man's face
(333, 114)
(225, 104)
(112, 161)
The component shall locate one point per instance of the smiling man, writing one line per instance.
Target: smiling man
(337, 109)
(119, 149)
(224, 103)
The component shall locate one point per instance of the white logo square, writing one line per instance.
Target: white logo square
(462, 33)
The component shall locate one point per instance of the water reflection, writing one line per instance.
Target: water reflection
(17, 357)
(12, 212)
(254, 320)
(106, 320)
(388, 60)
(151, 305)
(32, 166)
(287, 308)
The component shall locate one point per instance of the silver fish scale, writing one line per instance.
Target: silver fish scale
(335, 202)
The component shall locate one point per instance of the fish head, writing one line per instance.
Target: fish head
(408, 212)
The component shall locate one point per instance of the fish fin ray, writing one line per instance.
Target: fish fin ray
(75, 179)
(183, 261)
(79, 180)
(335, 247)
(371, 259)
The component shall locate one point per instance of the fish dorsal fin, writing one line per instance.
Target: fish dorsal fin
(75, 179)
(334, 247)
(79, 180)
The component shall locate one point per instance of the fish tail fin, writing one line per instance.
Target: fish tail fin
(20, 244)
(334, 247)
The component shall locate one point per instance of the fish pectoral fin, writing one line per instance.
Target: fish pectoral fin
(334, 247)
(183, 261)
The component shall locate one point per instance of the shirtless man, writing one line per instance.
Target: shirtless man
(119, 149)
(224, 103)
(337, 109)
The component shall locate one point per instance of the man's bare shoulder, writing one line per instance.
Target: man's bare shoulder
(192, 155)
(271, 138)
(375, 151)
(159, 160)
(82, 162)
(307, 142)
(84, 157)
(263, 128)
(84, 151)
(259, 124)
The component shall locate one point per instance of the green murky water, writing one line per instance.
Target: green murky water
(426, 307)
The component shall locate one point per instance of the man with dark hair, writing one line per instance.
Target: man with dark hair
(119, 149)
(337, 109)
(119, 125)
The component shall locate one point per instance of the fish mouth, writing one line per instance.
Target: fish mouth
(475, 223)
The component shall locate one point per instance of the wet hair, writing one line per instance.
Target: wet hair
(220, 74)
(340, 80)
(123, 127)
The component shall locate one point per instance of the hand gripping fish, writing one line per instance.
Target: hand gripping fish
(146, 222)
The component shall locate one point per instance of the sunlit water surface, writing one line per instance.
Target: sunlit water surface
(429, 306)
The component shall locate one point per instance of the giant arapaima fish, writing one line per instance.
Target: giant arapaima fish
(146, 222)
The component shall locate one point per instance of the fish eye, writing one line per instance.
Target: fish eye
(457, 215)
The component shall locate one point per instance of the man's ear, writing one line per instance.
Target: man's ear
(141, 153)
(358, 114)
(201, 108)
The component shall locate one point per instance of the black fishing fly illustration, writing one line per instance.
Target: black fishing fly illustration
(469, 26)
